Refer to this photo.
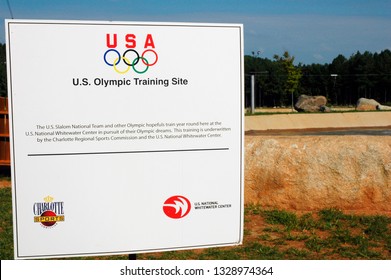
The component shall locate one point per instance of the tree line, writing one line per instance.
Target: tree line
(278, 80)
(342, 82)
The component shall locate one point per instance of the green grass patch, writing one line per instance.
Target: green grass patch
(6, 232)
(284, 218)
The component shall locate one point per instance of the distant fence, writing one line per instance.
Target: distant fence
(4, 133)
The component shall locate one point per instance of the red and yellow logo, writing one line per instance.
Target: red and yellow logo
(49, 212)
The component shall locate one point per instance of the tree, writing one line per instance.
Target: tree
(314, 80)
(383, 73)
(341, 91)
(341, 82)
(257, 66)
(293, 74)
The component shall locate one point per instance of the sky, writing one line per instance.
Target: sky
(313, 31)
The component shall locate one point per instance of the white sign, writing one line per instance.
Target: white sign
(126, 137)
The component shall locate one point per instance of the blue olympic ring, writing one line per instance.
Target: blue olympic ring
(118, 59)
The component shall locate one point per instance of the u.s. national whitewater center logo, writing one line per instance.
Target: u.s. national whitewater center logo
(130, 57)
(177, 207)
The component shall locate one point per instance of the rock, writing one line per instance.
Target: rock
(308, 173)
(383, 108)
(307, 103)
(325, 109)
(364, 104)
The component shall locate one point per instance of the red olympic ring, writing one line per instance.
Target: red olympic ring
(149, 64)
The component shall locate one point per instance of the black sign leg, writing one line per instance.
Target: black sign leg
(132, 257)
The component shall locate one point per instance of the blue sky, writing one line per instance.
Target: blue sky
(313, 31)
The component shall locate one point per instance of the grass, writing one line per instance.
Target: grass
(269, 234)
(6, 232)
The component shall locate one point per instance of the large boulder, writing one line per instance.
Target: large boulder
(307, 103)
(364, 104)
(308, 173)
(383, 108)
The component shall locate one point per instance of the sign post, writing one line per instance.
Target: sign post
(119, 141)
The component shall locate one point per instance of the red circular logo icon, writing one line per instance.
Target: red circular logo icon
(48, 218)
(177, 207)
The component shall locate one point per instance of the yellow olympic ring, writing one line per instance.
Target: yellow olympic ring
(115, 66)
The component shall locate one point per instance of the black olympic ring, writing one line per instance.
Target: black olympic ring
(135, 61)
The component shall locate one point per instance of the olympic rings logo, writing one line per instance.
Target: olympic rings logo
(130, 58)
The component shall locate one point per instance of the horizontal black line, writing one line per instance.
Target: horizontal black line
(129, 152)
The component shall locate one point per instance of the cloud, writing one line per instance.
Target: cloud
(328, 36)
(318, 57)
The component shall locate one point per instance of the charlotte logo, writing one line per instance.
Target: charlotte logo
(123, 61)
(49, 212)
(177, 207)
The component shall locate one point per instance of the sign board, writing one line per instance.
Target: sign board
(126, 137)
